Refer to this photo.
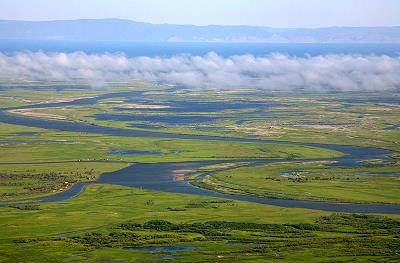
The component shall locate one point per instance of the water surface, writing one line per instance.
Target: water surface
(167, 49)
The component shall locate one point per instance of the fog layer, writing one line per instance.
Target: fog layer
(274, 72)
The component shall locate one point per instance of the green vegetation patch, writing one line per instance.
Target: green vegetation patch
(25, 181)
(338, 237)
(310, 181)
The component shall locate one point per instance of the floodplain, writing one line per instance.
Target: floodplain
(173, 174)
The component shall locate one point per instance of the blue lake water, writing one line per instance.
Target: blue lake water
(205, 106)
(166, 49)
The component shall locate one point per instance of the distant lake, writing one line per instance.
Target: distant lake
(166, 49)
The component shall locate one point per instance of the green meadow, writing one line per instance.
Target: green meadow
(310, 181)
(102, 222)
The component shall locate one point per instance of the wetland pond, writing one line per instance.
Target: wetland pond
(169, 249)
(131, 152)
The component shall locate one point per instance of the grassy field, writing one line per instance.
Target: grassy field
(71, 148)
(310, 181)
(25, 181)
(47, 145)
(100, 223)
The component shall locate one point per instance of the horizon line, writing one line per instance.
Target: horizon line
(173, 24)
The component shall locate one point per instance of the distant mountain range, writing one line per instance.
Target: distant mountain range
(126, 30)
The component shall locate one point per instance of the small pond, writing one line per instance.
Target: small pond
(26, 133)
(170, 249)
(131, 152)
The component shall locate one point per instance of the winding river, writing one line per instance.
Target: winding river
(162, 176)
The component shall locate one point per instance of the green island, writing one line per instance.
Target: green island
(309, 181)
(72, 190)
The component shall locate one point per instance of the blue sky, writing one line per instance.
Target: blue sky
(274, 13)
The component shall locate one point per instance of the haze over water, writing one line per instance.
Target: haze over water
(167, 49)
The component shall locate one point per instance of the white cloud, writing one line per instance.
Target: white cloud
(276, 71)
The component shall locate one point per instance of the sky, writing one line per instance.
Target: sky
(272, 13)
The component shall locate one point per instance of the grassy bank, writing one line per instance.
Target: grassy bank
(97, 225)
(309, 181)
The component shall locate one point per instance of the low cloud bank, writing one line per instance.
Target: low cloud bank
(275, 71)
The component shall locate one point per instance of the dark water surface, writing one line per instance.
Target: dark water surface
(167, 49)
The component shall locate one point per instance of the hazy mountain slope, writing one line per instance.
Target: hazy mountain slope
(125, 30)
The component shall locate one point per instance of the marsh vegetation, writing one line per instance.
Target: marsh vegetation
(248, 143)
